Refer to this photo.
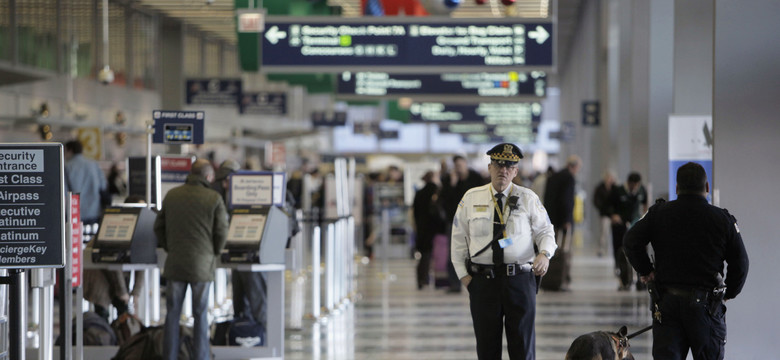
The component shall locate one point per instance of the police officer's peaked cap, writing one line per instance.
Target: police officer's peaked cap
(505, 153)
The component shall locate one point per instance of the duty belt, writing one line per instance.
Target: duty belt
(699, 295)
(500, 270)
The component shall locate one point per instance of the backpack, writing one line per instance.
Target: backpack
(125, 326)
(96, 330)
(148, 345)
(245, 332)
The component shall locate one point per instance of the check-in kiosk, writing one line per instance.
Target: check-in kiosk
(256, 242)
(256, 235)
(126, 235)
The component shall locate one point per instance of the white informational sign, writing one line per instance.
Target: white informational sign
(690, 140)
(251, 189)
(279, 187)
(246, 228)
(117, 227)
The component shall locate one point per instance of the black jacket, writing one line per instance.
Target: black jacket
(428, 217)
(691, 239)
(559, 198)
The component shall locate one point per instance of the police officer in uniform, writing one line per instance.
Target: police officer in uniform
(495, 232)
(691, 240)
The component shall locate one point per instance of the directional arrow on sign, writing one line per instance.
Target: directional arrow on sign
(540, 34)
(274, 35)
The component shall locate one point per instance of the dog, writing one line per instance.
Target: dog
(601, 345)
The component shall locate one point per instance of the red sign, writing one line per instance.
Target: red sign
(75, 231)
(175, 163)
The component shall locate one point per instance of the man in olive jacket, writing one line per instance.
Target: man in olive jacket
(191, 227)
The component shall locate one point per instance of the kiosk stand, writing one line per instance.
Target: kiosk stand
(126, 242)
(256, 242)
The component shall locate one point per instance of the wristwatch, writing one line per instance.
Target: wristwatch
(546, 253)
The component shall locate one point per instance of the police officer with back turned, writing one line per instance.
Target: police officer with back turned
(494, 235)
(691, 240)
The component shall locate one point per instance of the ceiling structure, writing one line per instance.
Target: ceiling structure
(217, 17)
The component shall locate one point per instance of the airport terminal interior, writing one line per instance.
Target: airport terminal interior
(325, 121)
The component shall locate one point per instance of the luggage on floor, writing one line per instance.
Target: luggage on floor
(148, 345)
(125, 326)
(441, 259)
(555, 278)
(246, 332)
(97, 331)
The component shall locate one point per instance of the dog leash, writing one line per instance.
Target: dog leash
(639, 332)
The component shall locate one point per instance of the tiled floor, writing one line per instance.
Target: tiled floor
(393, 320)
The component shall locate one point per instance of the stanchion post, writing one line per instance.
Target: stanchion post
(315, 272)
(17, 314)
(385, 241)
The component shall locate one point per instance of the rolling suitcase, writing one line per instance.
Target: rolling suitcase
(556, 277)
(441, 259)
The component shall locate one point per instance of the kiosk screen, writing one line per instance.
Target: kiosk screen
(117, 227)
(246, 228)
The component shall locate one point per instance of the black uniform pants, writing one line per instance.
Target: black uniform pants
(504, 302)
(687, 324)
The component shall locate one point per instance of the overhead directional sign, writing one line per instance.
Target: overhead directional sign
(213, 91)
(509, 85)
(404, 45)
(487, 113)
(263, 103)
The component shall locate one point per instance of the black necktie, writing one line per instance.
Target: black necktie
(498, 232)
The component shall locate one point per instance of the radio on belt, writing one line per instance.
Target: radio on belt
(126, 235)
(256, 235)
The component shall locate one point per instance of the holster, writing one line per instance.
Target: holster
(715, 299)
(469, 269)
(655, 300)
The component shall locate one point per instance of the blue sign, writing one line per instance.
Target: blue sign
(487, 113)
(263, 103)
(178, 127)
(213, 91)
(415, 45)
(483, 84)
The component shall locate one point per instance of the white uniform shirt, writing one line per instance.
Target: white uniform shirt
(472, 228)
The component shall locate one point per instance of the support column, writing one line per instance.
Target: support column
(171, 61)
(746, 126)
(693, 37)
(172, 70)
(661, 96)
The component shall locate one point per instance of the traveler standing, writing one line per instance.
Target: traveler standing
(625, 202)
(454, 186)
(559, 202)
(496, 228)
(428, 221)
(601, 202)
(691, 240)
(191, 227)
(84, 176)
